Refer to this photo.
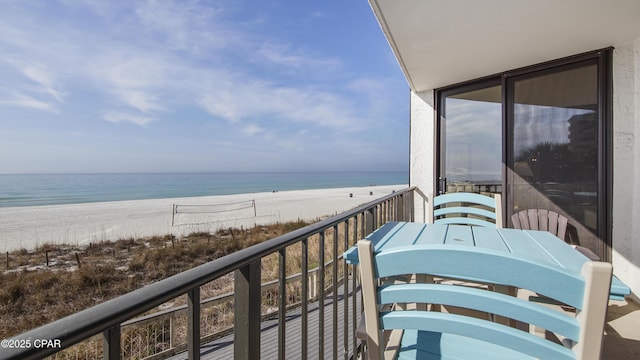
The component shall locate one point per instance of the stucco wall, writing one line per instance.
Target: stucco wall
(626, 167)
(422, 160)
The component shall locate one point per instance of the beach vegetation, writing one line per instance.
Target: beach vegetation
(56, 280)
(77, 278)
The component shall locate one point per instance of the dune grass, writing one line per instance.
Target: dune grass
(76, 278)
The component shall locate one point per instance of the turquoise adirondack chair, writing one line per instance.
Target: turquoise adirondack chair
(462, 208)
(422, 334)
(551, 221)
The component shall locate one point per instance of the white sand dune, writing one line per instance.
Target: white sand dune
(80, 224)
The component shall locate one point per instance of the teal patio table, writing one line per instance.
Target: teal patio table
(538, 245)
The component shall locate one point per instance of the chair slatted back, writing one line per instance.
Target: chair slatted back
(540, 219)
(463, 208)
(587, 292)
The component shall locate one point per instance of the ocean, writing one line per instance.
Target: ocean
(54, 189)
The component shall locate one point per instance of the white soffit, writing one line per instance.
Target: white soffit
(443, 42)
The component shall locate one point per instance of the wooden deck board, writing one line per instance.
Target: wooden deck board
(223, 348)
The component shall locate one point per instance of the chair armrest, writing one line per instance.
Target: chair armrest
(392, 339)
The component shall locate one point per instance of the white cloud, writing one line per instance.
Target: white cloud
(120, 117)
(187, 25)
(370, 86)
(289, 58)
(136, 61)
(294, 104)
(26, 101)
(33, 87)
(140, 100)
(126, 67)
(149, 73)
(137, 84)
(253, 129)
(44, 79)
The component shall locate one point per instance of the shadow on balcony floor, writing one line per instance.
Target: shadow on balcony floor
(621, 339)
(223, 347)
(622, 331)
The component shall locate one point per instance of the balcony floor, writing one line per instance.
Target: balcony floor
(223, 347)
(622, 331)
(621, 339)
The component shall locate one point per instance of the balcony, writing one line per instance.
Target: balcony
(321, 303)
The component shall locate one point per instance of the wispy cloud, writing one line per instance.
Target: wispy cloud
(197, 65)
(142, 101)
(256, 100)
(253, 129)
(120, 117)
(26, 101)
(149, 78)
(286, 56)
(373, 87)
(40, 76)
(191, 26)
(33, 86)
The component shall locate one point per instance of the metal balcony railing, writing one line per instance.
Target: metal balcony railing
(108, 319)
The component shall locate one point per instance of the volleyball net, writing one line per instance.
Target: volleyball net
(202, 214)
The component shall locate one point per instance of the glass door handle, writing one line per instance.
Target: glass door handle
(442, 185)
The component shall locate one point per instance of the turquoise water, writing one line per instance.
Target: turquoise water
(51, 189)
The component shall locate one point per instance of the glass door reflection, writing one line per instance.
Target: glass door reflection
(554, 147)
(471, 140)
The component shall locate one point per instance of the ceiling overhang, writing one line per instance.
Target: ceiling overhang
(439, 43)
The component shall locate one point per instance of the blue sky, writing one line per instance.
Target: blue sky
(179, 86)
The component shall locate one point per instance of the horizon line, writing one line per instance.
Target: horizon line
(205, 172)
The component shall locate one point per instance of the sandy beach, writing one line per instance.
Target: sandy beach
(81, 224)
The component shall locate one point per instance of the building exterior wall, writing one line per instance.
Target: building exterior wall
(626, 159)
(422, 158)
(626, 164)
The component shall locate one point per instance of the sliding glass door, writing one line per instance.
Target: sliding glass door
(540, 136)
(553, 153)
(471, 139)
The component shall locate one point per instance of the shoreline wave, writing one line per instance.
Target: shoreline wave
(57, 189)
(32, 226)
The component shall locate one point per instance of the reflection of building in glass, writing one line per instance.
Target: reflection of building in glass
(564, 162)
(566, 172)
(534, 122)
(583, 146)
